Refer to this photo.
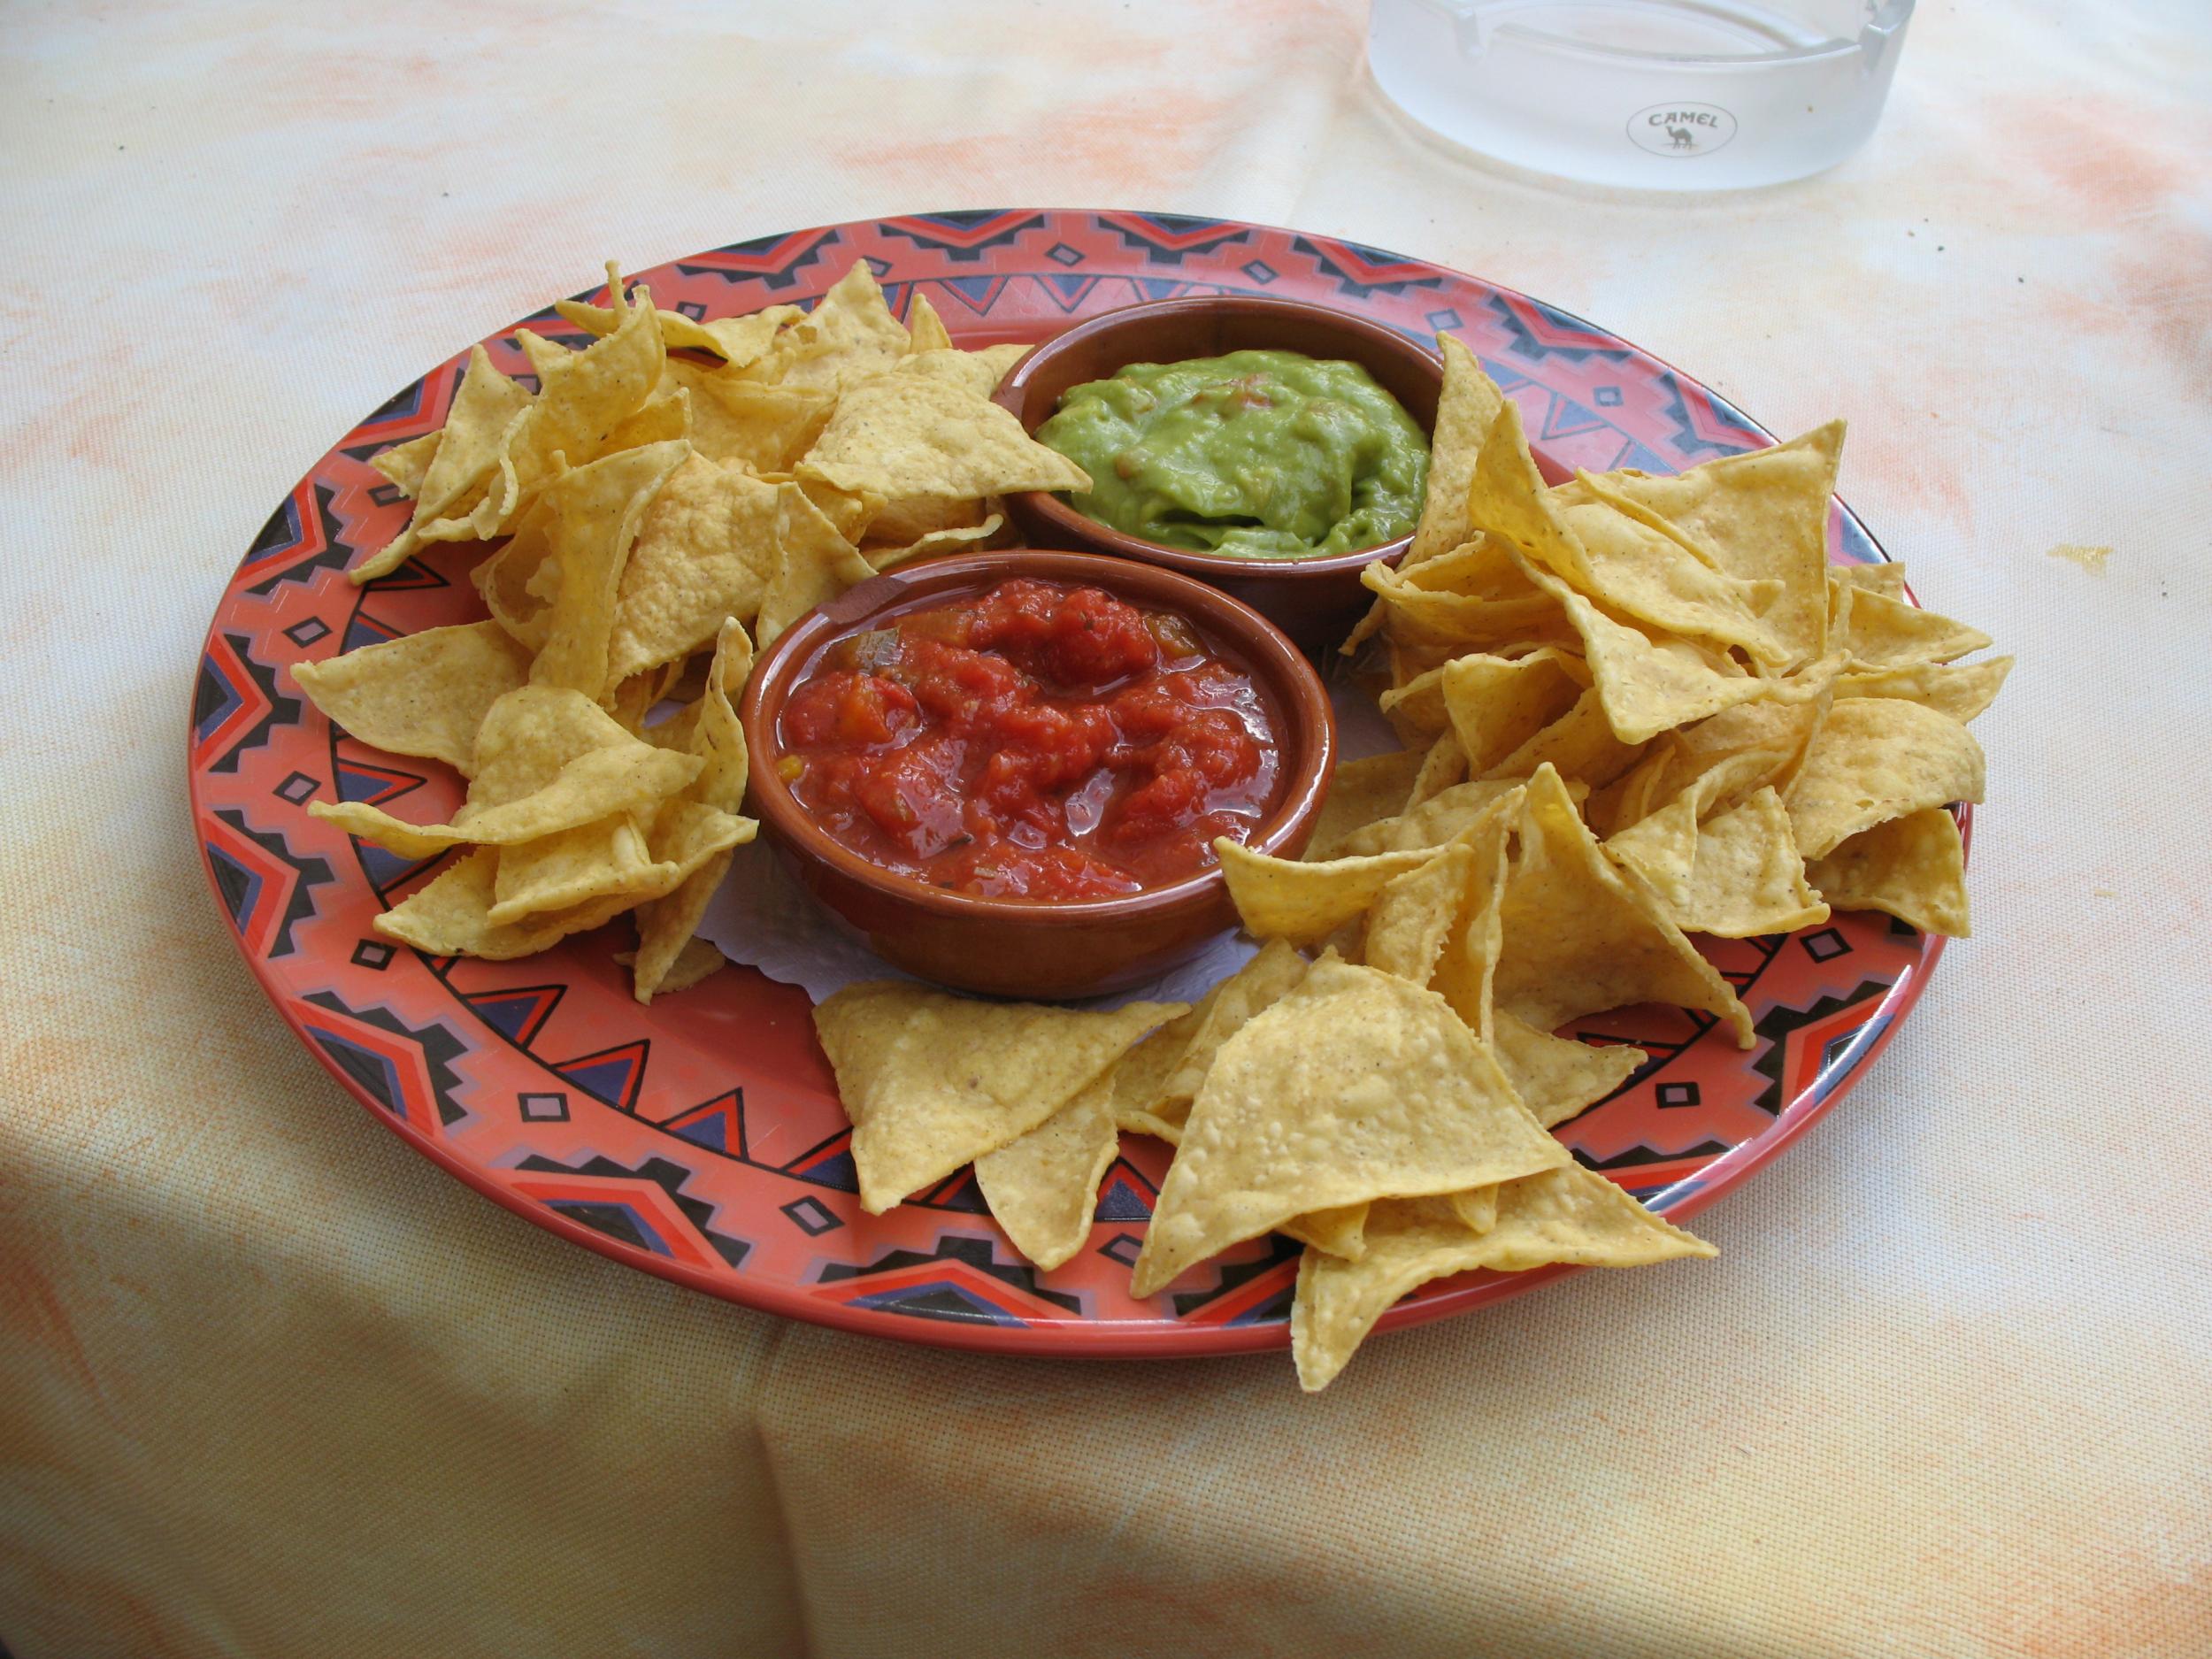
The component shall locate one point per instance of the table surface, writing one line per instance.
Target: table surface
(270, 1384)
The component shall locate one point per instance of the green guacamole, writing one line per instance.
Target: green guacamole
(1261, 454)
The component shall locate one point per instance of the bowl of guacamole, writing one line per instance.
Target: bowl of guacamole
(1273, 448)
(1260, 454)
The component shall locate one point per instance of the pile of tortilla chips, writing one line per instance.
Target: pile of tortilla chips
(640, 508)
(1633, 709)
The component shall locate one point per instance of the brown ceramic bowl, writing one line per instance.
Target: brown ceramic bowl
(1027, 948)
(1314, 601)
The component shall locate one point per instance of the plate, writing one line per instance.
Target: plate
(701, 1139)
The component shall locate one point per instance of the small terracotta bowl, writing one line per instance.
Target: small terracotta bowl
(1314, 601)
(1025, 948)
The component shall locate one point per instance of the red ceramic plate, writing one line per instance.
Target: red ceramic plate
(701, 1138)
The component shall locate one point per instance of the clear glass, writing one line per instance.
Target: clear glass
(1656, 94)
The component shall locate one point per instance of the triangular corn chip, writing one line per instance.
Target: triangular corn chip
(1357, 1085)
(706, 548)
(423, 694)
(547, 761)
(978, 372)
(1558, 1078)
(1497, 704)
(738, 340)
(932, 1081)
(1885, 633)
(666, 926)
(911, 435)
(1282, 898)
(451, 916)
(1878, 759)
(1748, 879)
(467, 454)
(1764, 515)
(814, 563)
(1567, 1213)
(593, 514)
(1042, 1187)
(926, 330)
(1581, 935)
(406, 464)
(1465, 408)
(1912, 867)
(850, 335)
(1961, 691)
(584, 398)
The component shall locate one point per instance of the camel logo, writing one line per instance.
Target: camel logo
(1681, 129)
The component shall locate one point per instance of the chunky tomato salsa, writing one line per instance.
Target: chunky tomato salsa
(1036, 742)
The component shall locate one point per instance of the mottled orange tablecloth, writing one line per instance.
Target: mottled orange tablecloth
(271, 1384)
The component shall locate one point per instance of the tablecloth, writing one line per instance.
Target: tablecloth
(271, 1384)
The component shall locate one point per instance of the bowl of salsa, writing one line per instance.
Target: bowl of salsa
(1272, 448)
(1008, 769)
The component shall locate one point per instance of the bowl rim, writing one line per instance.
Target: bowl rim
(1308, 748)
(1047, 506)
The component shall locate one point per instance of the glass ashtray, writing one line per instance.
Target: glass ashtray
(1656, 94)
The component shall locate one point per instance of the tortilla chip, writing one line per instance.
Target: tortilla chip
(978, 372)
(584, 398)
(1257, 986)
(1444, 766)
(1912, 867)
(737, 340)
(1764, 515)
(849, 336)
(1748, 880)
(1961, 691)
(932, 1081)
(1355, 1085)
(717, 739)
(424, 693)
(405, 465)
(1884, 576)
(1634, 565)
(706, 548)
(594, 516)
(911, 435)
(1580, 745)
(1282, 898)
(1042, 1186)
(1434, 623)
(926, 330)
(1649, 683)
(1141, 1075)
(1361, 793)
(1414, 912)
(1878, 759)
(1886, 633)
(1662, 846)
(1437, 820)
(450, 916)
(1568, 1214)
(814, 563)
(1496, 704)
(697, 960)
(742, 422)
(1581, 935)
(1465, 408)
(1339, 1232)
(1558, 1078)
(548, 760)
(889, 559)
(485, 405)
(570, 867)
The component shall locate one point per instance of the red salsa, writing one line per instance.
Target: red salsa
(1036, 742)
